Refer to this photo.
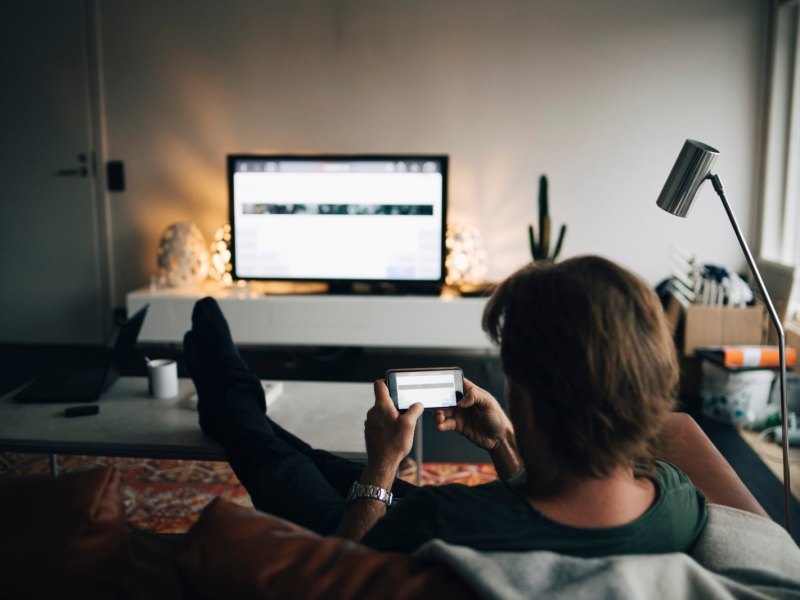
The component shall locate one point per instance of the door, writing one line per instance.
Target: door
(51, 269)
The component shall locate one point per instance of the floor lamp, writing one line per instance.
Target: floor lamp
(691, 169)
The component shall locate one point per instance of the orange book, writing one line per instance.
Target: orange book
(747, 356)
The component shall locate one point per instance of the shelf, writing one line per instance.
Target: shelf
(257, 318)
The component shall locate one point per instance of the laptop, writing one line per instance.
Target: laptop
(86, 385)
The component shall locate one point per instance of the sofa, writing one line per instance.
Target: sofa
(67, 537)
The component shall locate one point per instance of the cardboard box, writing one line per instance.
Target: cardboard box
(705, 325)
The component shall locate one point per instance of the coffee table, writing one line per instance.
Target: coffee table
(328, 415)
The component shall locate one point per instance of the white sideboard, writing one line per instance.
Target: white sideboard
(257, 318)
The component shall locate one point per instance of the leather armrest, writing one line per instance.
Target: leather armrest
(686, 446)
(63, 537)
(237, 552)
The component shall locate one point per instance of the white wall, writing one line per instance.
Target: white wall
(598, 95)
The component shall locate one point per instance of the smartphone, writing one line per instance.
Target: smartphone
(440, 387)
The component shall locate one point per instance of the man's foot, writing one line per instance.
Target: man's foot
(213, 336)
(228, 393)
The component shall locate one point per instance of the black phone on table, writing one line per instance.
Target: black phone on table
(438, 387)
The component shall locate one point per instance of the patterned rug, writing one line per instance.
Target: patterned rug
(167, 496)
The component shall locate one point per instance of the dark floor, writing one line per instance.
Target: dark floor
(22, 363)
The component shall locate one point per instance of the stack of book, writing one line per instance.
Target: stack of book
(747, 357)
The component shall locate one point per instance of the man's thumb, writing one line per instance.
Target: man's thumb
(414, 411)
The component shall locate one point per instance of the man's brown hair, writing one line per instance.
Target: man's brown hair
(587, 345)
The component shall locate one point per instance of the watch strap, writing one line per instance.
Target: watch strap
(360, 490)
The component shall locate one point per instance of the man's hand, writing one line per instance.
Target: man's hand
(389, 436)
(479, 417)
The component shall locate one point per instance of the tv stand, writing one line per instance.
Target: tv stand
(257, 317)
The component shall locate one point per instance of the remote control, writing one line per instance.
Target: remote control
(80, 411)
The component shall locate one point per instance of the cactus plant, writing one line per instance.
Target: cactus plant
(541, 250)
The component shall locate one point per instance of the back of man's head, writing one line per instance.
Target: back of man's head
(586, 345)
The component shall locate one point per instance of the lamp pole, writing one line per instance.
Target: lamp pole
(773, 314)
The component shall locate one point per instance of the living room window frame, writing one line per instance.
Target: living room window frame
(780, 209)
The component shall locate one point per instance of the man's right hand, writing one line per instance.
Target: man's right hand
(478, 416)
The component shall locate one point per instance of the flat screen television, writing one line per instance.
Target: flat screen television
(339, 219)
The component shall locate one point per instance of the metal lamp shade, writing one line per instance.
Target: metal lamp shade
(691, 169)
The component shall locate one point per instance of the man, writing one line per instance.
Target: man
(591, 374)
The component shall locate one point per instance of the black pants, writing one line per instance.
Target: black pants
(283, 474)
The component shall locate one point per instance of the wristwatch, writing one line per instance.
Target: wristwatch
(359, 490)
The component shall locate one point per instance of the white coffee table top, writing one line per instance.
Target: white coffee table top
(327, 415)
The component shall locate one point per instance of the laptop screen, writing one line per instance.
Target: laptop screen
(124, 347)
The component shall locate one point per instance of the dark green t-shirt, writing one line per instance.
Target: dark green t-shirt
(496, 516)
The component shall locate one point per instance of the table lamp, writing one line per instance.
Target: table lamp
(691, 169)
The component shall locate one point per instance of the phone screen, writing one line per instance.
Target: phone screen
(434, 388)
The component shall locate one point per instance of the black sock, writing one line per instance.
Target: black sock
(230, 396)
(213, 337)
(210, 388)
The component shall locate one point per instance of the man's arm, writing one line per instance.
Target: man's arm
(389, 436)
(363, 513)
(505, 456)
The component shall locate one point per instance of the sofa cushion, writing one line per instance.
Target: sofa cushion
(237, 552)
(63, 537)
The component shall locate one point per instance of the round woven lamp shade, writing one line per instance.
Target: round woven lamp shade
(182, 256)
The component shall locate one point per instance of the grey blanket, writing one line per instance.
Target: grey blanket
(738, 555)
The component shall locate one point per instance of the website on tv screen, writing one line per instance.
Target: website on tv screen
(343, 219)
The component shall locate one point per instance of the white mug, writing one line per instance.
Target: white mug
(162, 378)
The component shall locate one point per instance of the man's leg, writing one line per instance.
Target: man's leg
(281, 479)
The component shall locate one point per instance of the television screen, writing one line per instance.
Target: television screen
(338, 218)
